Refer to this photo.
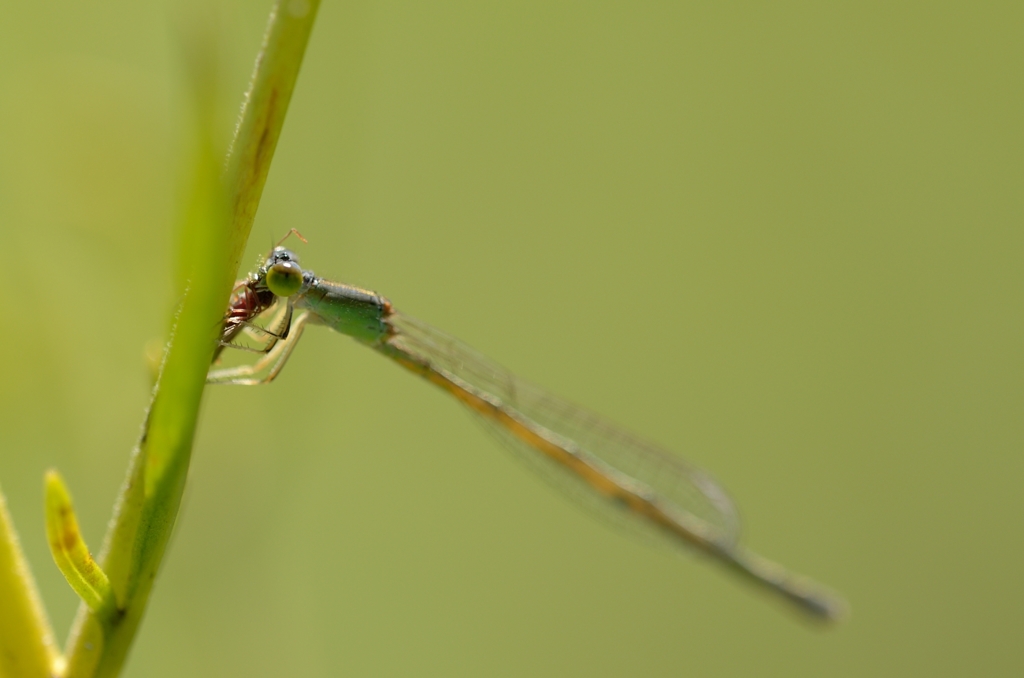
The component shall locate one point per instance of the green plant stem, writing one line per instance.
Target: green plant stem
(263, 111)
(216, 224)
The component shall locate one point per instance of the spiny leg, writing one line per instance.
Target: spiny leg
(281, 325)
(275, 357)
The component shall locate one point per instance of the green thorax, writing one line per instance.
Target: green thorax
(350, 310)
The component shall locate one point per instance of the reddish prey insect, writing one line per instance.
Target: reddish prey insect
(251, 298)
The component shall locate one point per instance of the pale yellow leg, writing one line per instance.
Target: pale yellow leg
(280, 324)
(275, 356)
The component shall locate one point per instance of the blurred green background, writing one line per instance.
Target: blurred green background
(782, 239)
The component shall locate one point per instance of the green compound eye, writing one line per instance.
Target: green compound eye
(284, 278)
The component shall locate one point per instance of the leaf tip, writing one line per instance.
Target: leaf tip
(69, 550)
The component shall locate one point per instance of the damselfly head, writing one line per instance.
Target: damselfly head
(283, 274)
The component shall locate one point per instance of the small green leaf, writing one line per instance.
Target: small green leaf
(69, 550)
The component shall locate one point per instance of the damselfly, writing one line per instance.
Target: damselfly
(600, 463)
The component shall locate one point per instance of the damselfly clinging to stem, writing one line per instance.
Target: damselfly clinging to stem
(597, 461)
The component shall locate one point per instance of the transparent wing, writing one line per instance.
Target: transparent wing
(686, 489)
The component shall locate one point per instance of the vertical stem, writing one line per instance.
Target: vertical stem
(218, 218)
(263, 109)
